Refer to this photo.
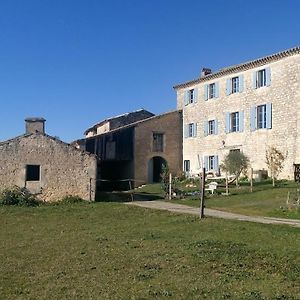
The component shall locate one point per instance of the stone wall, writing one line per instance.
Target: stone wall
(170, 124)
(283, 93)
(64, 170)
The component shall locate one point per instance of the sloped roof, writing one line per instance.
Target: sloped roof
(128, 126)
(242, 67)
(94, 127)
(49, 137)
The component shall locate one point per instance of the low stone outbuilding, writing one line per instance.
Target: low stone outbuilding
(135, 149)
(46, 166)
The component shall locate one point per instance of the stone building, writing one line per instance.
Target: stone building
(246, 107)
(46, 166)
(135, 150)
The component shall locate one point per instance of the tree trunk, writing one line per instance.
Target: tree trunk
(273, 179)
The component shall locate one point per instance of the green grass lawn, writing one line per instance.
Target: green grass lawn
(114, 251)
(264, 201)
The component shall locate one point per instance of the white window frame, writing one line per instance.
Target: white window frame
(235, 85)
(211, 127)
(234, 122)
(261, 113)
(212, 90)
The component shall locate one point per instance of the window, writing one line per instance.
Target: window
(261, 117)
(190, 130)
(211, 90)
(234, 122)
(158, 142)
(190, 96)
(187, 166)
(235, 85)
(234, 150)
(261, 78)
(211, 127)
(32, 172)
(211, 163)
(234, 118)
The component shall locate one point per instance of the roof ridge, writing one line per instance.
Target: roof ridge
(242, 66)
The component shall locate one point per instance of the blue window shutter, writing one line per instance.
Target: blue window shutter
(195, 130)
(205, 162)
(195, 95)
(216, 163)
(186, 97)
(241, 83)
(253, 118)
(206, 92)
(269, 115)
(241, 121)
(228, 86)
(268, 76)
(216, 127)
(205, 128)
(227, 123)
(254, 83)
(217, 89)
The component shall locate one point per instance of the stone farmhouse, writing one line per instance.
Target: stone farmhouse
(134, 146)
(246, 107)
(46, 166)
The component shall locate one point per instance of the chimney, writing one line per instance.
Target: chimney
(34, 125)
(205, 71)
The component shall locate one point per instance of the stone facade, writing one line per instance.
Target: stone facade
(47, 167)
(137, 151)
(280, 92)
(170, 125)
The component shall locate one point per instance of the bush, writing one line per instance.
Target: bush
(18, 196)
(69, 199)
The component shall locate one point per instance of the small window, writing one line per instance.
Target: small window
(211, 127)
(234, 150)
(191, 96)
(211, 90)
(235, 85)
(32, 172)
(261, 116)
(158, 142)
(211, 162)
(191, 130)
(261, 78)
(187, 166)
(234, 122)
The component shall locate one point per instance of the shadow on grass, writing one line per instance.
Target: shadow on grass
(125, 196)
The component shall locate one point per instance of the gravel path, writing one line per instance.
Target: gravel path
(180, 208)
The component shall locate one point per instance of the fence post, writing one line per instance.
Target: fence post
(170, 186)
(226, 184)
(130, 188)
(202, 191)
(251, 180)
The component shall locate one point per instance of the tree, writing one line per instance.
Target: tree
(235, 162)
(274, 160)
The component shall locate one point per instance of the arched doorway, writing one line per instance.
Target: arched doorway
(155, 168)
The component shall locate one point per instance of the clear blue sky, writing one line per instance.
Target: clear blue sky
(76, 62)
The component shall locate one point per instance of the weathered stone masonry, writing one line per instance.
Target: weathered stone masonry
(282, 93)
(63, 169)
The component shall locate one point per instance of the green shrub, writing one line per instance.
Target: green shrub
(70, 199)
(18, 196)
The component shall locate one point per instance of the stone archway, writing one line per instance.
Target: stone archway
(155, 168)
